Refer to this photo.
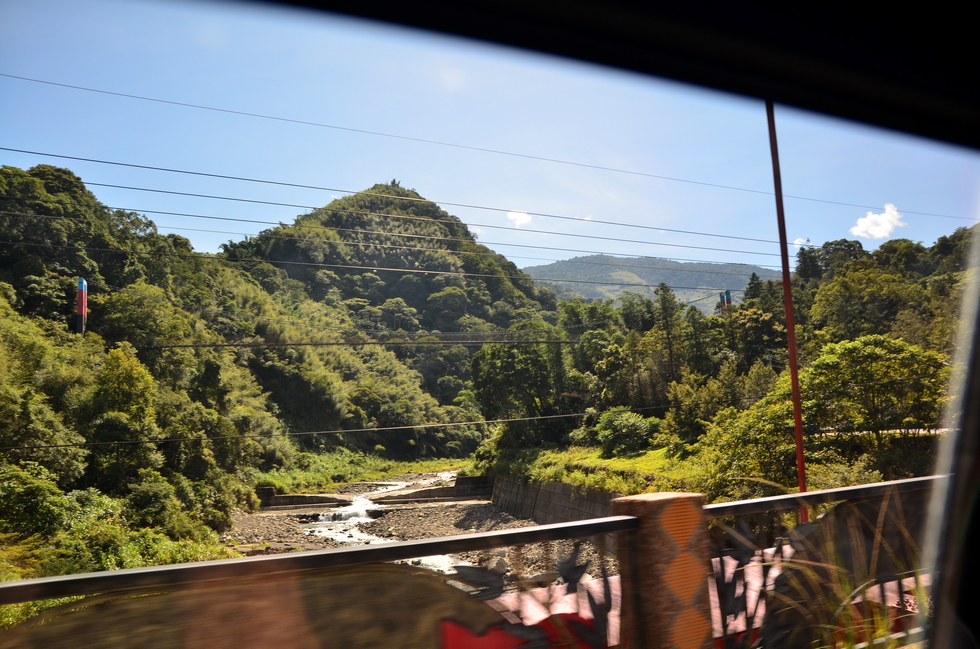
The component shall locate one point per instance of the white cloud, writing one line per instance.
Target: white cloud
(588, 218)
(518, 218)
(477, 232)
(878, 226)
(800, 241)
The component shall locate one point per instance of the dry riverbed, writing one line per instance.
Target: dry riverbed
(269, 532)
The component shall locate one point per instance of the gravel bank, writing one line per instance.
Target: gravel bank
(270, 532)
(410, 480)
(451, 519)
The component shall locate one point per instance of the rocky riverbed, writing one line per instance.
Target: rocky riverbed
(268, 532)
(467, 518)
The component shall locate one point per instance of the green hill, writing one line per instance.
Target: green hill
(198, 370)
(693, 282)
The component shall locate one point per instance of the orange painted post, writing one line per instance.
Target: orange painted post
(664, 568)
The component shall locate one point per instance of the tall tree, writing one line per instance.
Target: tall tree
(864, 301)
(876, 384)
(667, 312)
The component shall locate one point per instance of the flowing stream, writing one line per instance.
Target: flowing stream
(343, 523)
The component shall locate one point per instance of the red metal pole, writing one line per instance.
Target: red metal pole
(794, 373)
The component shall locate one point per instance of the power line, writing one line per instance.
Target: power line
(713, 402)
(462, 252)
(390, 196)
(396, 234)
(496, 227)
(365, 244)
(467, 147)
(418, 271)
(489, 337)
(359, 343)
(317, 432)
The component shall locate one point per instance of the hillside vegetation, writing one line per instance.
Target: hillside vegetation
(711, 392)
(376, 331)
(200, 372)
(695, 282)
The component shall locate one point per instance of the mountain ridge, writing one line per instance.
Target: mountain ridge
(692, 282)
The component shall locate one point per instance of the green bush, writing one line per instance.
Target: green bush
(153, 503)
(585, 436)
(621, 432)
(30, 501)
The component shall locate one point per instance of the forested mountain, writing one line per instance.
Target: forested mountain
(694, 282)
(400, 266)
(198, 370)
(875, 331)
(176, 308)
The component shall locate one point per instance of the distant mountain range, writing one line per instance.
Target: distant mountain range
(614, 276)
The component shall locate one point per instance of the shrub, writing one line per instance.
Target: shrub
(30, 501)
(153, 502)
(623, 433)
(584, 436)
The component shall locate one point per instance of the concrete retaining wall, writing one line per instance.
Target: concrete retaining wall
(549, 502)
(476, 486)
(269, 498)
(407, 495)
(465, 488)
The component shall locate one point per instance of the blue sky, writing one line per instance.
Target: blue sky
(341, 72)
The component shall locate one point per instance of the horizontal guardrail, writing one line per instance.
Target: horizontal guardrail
(188, 573)
(787, 502)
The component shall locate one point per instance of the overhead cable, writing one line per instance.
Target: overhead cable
(488, 336)
(359, 343)
(466, 147)
(419, 271)
(316, 432)
(388, 196)
(496, 227)
(392, 234)
(372, 244)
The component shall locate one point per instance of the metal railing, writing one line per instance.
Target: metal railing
(189, 573)
(789, 502)
(755, 543)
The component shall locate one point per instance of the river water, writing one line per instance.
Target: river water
(343, 523)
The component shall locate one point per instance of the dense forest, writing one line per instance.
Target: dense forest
(198, 371)
(377, 325)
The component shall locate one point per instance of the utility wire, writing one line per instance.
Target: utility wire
(495, 227)
(391, 234)
(464, 146)
(376, 430)
(389, 196)
(418, 271)
(489, 336)
(370, 244)
(358, 343)
(317, 432)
